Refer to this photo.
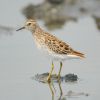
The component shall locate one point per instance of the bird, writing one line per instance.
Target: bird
(56, 48)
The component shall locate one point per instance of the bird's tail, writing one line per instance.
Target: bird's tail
(81, 55)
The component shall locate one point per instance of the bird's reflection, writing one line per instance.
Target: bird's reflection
(57, 93)
(53, 90)
(63, 96)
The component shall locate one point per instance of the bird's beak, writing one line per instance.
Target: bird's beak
(20, 28)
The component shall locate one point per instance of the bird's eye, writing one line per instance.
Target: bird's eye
(29, 24)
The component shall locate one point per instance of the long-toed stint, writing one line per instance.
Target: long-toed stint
(58, 49)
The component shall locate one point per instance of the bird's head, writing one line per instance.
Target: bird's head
(30, 24)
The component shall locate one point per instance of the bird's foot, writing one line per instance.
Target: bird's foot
(48, 79)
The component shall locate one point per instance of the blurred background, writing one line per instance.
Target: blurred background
(76, 22)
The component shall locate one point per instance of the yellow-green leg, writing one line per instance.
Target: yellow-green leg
(60, 70)
(49, 77)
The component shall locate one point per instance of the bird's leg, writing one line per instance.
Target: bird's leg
(60, 70)
(49, 77)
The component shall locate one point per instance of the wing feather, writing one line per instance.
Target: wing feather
(57, 45)
(60, 47)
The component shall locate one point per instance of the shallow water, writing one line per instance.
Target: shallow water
(20, 60)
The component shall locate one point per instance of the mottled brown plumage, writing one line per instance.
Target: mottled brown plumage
(60, 47)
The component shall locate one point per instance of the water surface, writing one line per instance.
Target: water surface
(20, 60)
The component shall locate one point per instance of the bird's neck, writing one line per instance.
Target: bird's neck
(37, 30)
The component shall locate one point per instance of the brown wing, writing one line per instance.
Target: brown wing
(60, 47)
(56, 45)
